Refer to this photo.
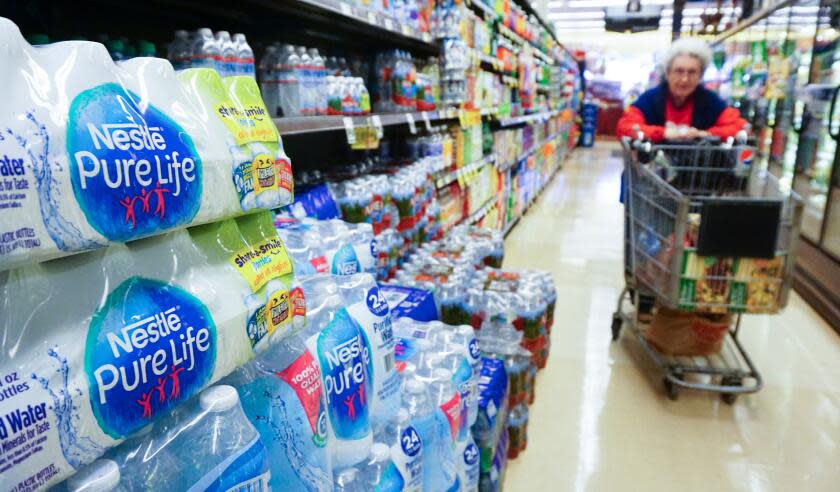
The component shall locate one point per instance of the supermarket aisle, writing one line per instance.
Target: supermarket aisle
(601, 421)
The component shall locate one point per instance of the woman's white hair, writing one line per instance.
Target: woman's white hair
(695, 47)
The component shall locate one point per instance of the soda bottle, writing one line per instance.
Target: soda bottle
(244, 55)
(225, 449)
(227, 54)
(180, 53)
(100, 476)
(283, 396)
(116, 47)
(205, 50)
(364, 96)
(380, 473)
(406, 448)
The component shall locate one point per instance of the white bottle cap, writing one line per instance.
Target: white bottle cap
(99, 476)
(219, 398)
(414, 386)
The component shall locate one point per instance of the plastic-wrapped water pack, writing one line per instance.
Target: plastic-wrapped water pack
(95, 153)
(96, 346)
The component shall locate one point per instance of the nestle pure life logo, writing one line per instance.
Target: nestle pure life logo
(134, 172)
(344, 357)
(150, 346)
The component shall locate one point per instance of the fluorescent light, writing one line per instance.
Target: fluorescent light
(580, 4)
(595, 14)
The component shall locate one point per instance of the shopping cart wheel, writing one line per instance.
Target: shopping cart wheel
(670, 389)
(730, 398)
(616, 326)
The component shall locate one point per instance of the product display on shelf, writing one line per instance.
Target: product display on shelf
(168, 283)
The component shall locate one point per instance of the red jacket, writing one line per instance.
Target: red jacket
(728, 123)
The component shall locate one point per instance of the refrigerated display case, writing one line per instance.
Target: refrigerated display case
(801, 130)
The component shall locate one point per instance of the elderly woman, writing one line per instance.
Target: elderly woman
(680, 107)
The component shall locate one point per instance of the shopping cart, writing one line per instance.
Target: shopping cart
(705, 232)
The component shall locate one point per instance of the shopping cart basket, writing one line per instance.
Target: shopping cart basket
(705, 232)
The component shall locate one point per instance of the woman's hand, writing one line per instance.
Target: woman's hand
(682, 132)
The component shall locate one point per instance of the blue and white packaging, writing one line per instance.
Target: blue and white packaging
(410, 302)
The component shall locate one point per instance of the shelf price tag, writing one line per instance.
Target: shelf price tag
(349, 130)
(426, 121)
(389, 24)
(371, 17)
(405, 30)
(346, 9)
(377, 125)
(412, 127)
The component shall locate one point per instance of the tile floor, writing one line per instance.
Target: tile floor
(602, 422)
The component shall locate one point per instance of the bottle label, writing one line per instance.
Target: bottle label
(264, 173)
(245, 471)
(407, 457)
(244, 112)
(135, 172)
(262, 262)
(150, 346)
(304, 377)
(391, 480)
(345, 261)
(274, 315)
(345, 362)
(452, 410)
(374, 318)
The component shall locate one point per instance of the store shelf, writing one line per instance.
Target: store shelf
(509, 227)
(373, 19)
(528, 118)
(525, 154)
(451, 177)
(312, 124)
(483, 9)
(758, 16)
(482, 211)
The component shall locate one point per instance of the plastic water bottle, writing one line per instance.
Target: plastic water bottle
(345, 361)
(304, 71)
(349, 480)
(100, 476)
(288, 82)
(244, 55)
(283, 396)
(205, 51)
(380, 473)
(227, 51)
(225, 448)
(368, 307)
(268, 78)
(406, 449)
(180, 52)
(146, 461)
(439, 471)
(467, 456)
(319, 80)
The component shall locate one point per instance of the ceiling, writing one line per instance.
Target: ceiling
(588, 15)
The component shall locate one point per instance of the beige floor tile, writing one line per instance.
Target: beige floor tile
(601, 421)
